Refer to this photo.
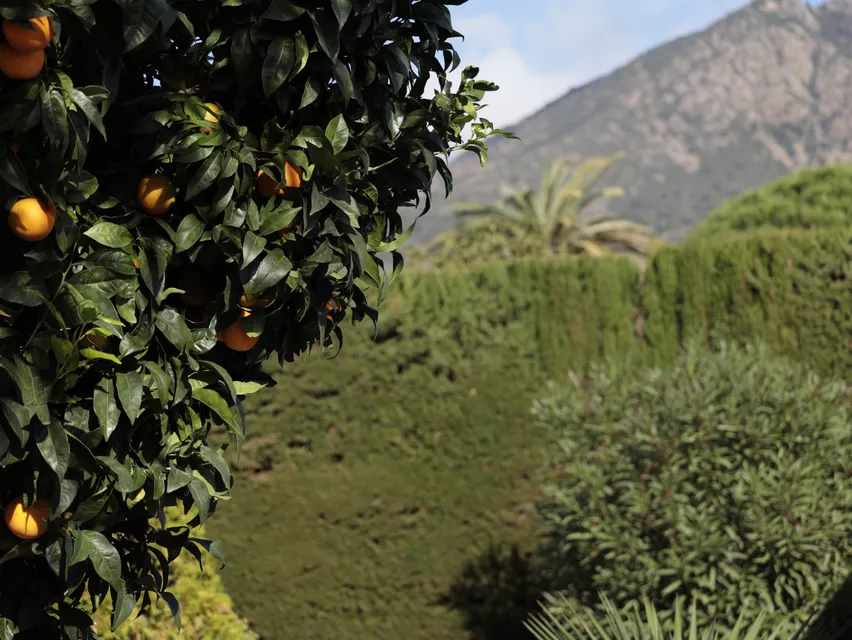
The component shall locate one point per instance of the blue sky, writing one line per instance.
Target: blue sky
(536, 50)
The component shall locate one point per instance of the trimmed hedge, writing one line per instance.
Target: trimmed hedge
(787, 288)
(807, 199)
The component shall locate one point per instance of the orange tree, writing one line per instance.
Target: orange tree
(190, 188)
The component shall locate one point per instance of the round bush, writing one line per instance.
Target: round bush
(727, 479)
(808, 199)
(187, 189)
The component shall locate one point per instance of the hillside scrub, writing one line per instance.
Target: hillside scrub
(723, 479)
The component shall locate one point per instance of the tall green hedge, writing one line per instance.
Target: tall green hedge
(789, 288)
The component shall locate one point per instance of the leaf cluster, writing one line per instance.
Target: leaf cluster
(724, 480)
(111, 373)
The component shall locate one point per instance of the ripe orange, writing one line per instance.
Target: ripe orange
(31, 219)
(156, 195)
(95, 341)
(268, 186)
(136, 263)
(211, 116)
(30, 36)
(28, 523)
(20, 66)
(254, 303)
(292, 175)
(236, 338)
(332, 308)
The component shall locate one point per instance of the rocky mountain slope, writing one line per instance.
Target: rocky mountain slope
(763, 92)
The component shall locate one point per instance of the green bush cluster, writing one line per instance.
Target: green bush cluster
(725, 479)
(811, 198)
(206, 609)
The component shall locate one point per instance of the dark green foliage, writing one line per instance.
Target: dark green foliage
(111, 376)
(808, 199)
(725, 478)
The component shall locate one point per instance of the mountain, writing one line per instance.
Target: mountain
(761, 93)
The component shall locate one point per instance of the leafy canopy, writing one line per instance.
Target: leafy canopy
(111, 374)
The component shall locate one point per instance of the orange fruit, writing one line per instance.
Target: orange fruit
(30, 36)
(268, 186)
(31, 219)
(254, 303)
(236, 338)
(156, 195)
(211, 116)
(136, 263)
(28, 523)
(20, 66)
(332, 308)
(95, 341)
(292, 175)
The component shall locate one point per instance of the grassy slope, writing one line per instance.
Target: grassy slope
(365, 524)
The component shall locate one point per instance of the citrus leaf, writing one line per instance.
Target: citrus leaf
(216, 403)
(173, 326)
(52, 442)
(337, 133)
(21, 288)
(205, 176)
(110, 235)
(129, 388)
(104, 557)
(280, 58)
(140, 20)
(106, 407)
(272, 269)
(88, 108)
(342, 9)
(188, 232)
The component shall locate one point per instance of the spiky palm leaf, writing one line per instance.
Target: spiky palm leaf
(564, 620)
(547, 221)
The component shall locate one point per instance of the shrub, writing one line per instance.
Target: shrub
(811, 198)
(171, 173)
(725, 479)
(206, 609)
(565, 620)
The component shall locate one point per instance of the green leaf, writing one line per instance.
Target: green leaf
(54, 117)
(123, 605)
(252, 247)
(129, 388)
(174, 607)
(52, 442)
(205, 176)
(344, 80)
(173, 326)
(337, 133)
(272, 269)
(248, 388)
(110, 235)
(95, 354)
(327, 32)
(201, 498)
(88, 108)
(106, 407)
(216, 403)
(162, 381)
(342, 9)
(215, 459)
(177, 480)
(104, 557)
(280, 58)
(188, 232)
(140, 19)
(13, 173)
(21, 288)
(283, 10)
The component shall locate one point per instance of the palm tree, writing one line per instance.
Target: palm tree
(548, 222)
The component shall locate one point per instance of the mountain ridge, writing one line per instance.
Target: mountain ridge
(754, 96)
